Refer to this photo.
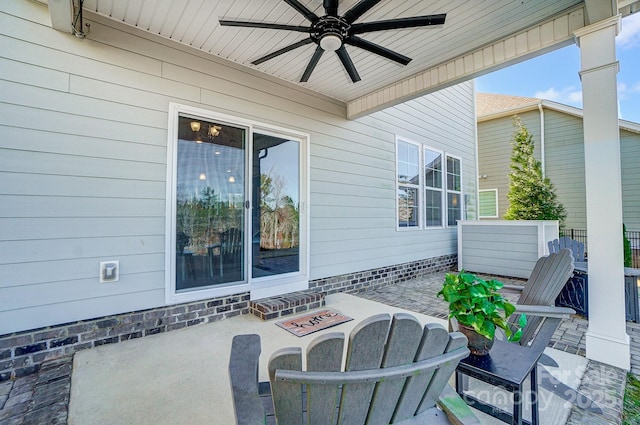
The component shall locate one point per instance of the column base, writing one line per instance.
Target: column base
(604, 349)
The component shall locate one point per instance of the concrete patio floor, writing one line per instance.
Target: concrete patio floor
(181, 376)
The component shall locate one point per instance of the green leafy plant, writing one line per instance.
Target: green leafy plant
(628, 256)
(476, 303)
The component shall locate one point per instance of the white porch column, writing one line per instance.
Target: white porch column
(607, 340)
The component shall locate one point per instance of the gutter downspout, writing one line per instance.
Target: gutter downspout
(542, 156)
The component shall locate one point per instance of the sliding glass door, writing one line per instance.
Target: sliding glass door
(237, 207)
(210, 213)
(275, 218)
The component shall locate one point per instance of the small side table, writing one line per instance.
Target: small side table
(507, 365)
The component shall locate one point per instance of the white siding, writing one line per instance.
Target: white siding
(83, 134)
(504, 248)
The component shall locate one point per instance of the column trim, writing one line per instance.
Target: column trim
(615, 64)
(600, 25)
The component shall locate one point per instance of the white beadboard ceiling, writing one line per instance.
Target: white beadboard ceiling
(470, 24)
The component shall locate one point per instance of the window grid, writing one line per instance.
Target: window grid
(434, 193)
(408, 179)
(433, 187)
(454, 190)
(488, 203)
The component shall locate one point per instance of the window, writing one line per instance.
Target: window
(454, 190)
(425, 181)
(433, 188)
(488, 203)
(408, 179)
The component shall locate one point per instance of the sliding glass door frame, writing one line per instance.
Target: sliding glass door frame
(259, 287)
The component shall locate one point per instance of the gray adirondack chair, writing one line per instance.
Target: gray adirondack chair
(537, 298)
(395, 372)
(576, 248)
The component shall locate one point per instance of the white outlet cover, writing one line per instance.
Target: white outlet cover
(109, 271)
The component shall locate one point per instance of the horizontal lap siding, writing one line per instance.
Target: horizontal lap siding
(630, 153)
(495, 139)
(501, 250)
(357, 225)
(83, 138)
(565, 164)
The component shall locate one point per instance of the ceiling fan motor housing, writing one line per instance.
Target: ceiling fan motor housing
(329, 25)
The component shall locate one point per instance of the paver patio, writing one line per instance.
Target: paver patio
(44, 397)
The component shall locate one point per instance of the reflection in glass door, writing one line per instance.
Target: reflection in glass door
(275, 215)
(210, 196)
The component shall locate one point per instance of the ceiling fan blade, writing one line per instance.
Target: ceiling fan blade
(378, 50)
(358, 10)
(391, 24)
(331, 7)
(312, 64)
(348, 64)
(226, 23)
(283, 50)
(301, 9)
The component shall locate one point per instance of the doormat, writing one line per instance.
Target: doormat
(313, 322)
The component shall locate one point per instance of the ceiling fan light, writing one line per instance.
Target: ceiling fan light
(330, 42)
(195, 126)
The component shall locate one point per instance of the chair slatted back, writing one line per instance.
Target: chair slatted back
(576, 247)
(230, 241)
(394, 370)
(547, 279)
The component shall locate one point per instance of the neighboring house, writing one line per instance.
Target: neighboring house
(143, 155)
(558, 135)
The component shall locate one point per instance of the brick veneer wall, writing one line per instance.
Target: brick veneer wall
(384, 276)
(22, 353)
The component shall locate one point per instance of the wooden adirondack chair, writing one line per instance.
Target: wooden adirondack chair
(575, 293)
(536, 301)
(395, 372)
(538, 296)
(576, 248)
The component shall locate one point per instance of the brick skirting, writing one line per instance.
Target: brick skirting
(284, 305)
(22, 353)
(297, 302)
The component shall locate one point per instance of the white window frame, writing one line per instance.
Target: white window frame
(443, 212)
(418, 187)
(495, 191)
(258, 287)
(447, 190)
(422, 188)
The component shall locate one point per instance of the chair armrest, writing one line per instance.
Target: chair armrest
(243, 375)
(545, 311)
(519, 288)
(455, 408)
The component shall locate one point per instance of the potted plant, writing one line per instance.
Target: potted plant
(479, 309)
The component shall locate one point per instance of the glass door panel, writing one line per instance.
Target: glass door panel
(210, 213)
(275, 216)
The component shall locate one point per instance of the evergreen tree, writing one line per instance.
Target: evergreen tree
(531, 195)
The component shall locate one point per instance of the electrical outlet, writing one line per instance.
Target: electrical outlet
(109, 271)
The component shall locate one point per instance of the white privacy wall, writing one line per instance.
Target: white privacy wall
(83, 137)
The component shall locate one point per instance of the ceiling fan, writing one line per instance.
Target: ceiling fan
(332, 31)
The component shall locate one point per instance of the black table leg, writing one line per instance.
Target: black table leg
(517, 406)
(534, 396)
